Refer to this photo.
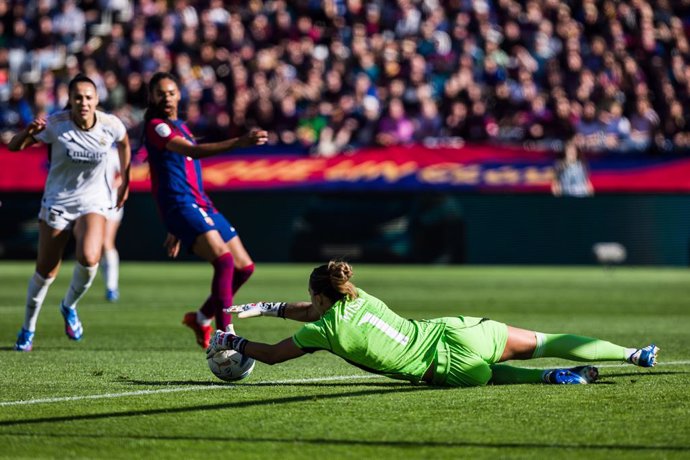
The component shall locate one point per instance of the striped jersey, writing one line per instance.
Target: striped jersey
(175, 178)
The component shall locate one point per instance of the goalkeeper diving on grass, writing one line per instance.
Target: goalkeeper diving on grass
(459, 351)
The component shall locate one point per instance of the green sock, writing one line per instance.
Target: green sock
(577, 348)
(502, 374)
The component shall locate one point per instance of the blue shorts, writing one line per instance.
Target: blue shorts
(187, 222)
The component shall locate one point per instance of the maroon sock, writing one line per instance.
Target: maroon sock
(241, 276)
(221, 289)
(208, 309)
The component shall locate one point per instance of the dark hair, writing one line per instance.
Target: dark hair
(152, 110)
(333, 281)
(79, 78)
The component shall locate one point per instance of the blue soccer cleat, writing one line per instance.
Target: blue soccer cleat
(25, 341)
(112, 295)
(645, 357)
(574, 376)
(73, 327)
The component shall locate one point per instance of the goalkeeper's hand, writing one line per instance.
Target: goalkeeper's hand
(250, 310)
(225, 341)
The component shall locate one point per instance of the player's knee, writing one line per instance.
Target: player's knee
(89, 258)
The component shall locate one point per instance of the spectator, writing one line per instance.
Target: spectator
(643, 125)
(571, 177)
(510, 63)
(395, 128)
(589, 131)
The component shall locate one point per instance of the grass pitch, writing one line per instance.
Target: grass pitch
(137, 386)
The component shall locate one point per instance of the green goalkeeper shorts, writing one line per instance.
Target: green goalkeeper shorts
(467, 349)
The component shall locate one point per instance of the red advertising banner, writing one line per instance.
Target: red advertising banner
(492, 169)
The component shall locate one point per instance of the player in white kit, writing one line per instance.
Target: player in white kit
(110, 260)
(76, 199)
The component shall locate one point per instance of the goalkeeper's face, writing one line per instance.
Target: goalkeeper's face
(166, 97)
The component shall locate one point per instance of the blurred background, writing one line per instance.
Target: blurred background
(400, 131)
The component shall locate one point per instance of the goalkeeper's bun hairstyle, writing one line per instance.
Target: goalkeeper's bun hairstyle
(333, 281)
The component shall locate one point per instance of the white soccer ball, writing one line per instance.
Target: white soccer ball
(230, 365)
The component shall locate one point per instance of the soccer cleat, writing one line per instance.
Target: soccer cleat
(112, 295)
(73, 327)
(25, 340)
(644, 357)
(202, 332)
(573, 376)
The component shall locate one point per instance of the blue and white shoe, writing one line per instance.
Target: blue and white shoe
(645, 357)
(112, 295)
(574, 376)
(25, 340)
(73, 327)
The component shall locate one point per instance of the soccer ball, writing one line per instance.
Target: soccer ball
(230, 365)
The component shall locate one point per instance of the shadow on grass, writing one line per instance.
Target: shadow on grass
(206, 407)
(643, 374)
(406, 443)
(164, 383)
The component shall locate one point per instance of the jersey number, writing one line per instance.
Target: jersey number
(384, 327)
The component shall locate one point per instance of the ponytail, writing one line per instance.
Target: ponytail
(333, 281)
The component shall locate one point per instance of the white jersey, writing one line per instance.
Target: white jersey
(78, 177)
(113, 171)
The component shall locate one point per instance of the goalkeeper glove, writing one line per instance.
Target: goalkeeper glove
(225, 341)
(250, 310)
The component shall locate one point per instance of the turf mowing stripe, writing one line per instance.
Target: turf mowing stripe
(222, 387)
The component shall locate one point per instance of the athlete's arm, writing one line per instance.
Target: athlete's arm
(273, 354)
(298, 311)
(269, 354)
(25, 137)
(182, 146)
(125, 153)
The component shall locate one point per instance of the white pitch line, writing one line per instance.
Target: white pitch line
(225, 387)
(181, 389)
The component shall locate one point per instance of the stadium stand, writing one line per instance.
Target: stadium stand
(336, 75)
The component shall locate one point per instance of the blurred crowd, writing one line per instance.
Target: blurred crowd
(333, 76)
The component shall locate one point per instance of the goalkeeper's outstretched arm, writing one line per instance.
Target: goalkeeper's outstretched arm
(298, 311)
(273, 354)
(269, 354)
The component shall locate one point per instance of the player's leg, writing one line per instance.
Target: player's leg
(110, 260)
(211, 247)
(88, 232)
(521, 344)
(244, 265)
(51, 245)
(525, 344)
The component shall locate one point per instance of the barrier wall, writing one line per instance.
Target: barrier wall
(421, 227)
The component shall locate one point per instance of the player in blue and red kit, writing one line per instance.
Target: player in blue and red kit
(188, 213)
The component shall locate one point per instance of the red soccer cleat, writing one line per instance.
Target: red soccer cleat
(203, 333)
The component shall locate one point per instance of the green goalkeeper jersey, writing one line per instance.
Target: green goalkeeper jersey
(368, 334)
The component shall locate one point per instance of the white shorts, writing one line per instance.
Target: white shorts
(62, 218)
(115, 214)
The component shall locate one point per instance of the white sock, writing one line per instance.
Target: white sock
(629, 352)
(110, 264)
(82, 278)
(35, 295)
(539, 349)
(202, 319)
